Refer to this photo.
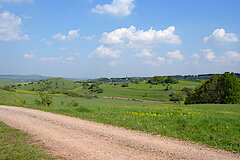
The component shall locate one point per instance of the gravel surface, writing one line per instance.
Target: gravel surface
(73, 138)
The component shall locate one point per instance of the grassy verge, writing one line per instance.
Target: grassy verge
(212, 124)
(15, 144)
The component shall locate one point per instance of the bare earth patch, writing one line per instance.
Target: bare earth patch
(74, 138)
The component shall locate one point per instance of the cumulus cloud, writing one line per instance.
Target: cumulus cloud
(105, 52)
(195, 56)
(209, 54)
(117, 8)
(89, 38)
(65, 60)
(175, 55)
(10, 27)
(232, 56)
(151, 63)
(161, 59)
(133, 36)
(29, 55)
(171, 57)
(228, 56)
(220, 36)
(71, 35)
(145, 53)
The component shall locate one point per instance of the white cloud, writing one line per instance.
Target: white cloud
(161, 59)
(89, 38)
(133, 36)
(45, 41)
(29, 55)
(220, 36)
(117, 8)
(151, 63)
(145, 53)
(104, 52)
(175, 55)
(171, 57)
(195, 56)
(209, 54)
(10, 27)
(233, 56)
(228, 56)
(71, 35)
(58, 59)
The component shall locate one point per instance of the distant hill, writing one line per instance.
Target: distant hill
(48, 84)
(23, 78)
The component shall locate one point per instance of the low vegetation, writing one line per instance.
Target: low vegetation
(220, 89)
(15, 144)
(146, 107)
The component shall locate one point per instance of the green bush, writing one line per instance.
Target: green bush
(45, 99)
(220, 89)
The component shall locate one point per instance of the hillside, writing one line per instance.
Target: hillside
(22, 78)
(49, 84)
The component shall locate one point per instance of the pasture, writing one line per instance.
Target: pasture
(211, 124)
(143, 90)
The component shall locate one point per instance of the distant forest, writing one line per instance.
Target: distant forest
(177, 77)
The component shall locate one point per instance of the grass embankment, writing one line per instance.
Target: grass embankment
(17, 145)
(211, 124)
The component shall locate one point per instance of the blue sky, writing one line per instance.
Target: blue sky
(117, 38)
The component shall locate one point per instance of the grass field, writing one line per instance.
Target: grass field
(17, 145)
(211, 124)
(143, 90)
(49, 84)
(4, 83)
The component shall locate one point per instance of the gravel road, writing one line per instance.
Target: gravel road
(78, 139)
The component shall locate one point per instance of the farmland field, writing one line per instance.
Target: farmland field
(211, 124)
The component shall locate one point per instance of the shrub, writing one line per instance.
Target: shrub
(220, 89)
(125, 85)
(45, 99)
(177, 96)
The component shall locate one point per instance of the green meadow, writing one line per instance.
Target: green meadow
(216, 125)
(143, 90)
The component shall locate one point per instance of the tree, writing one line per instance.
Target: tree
(45, 98)
(220, 89)
(125, 85)
(136, 81)
(95, 88)
(85, 85)
(156, 80)
(177, 96)
(170, 79)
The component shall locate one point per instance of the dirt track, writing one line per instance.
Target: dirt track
(79, 139)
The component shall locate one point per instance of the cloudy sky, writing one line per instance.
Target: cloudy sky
(116, 38)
